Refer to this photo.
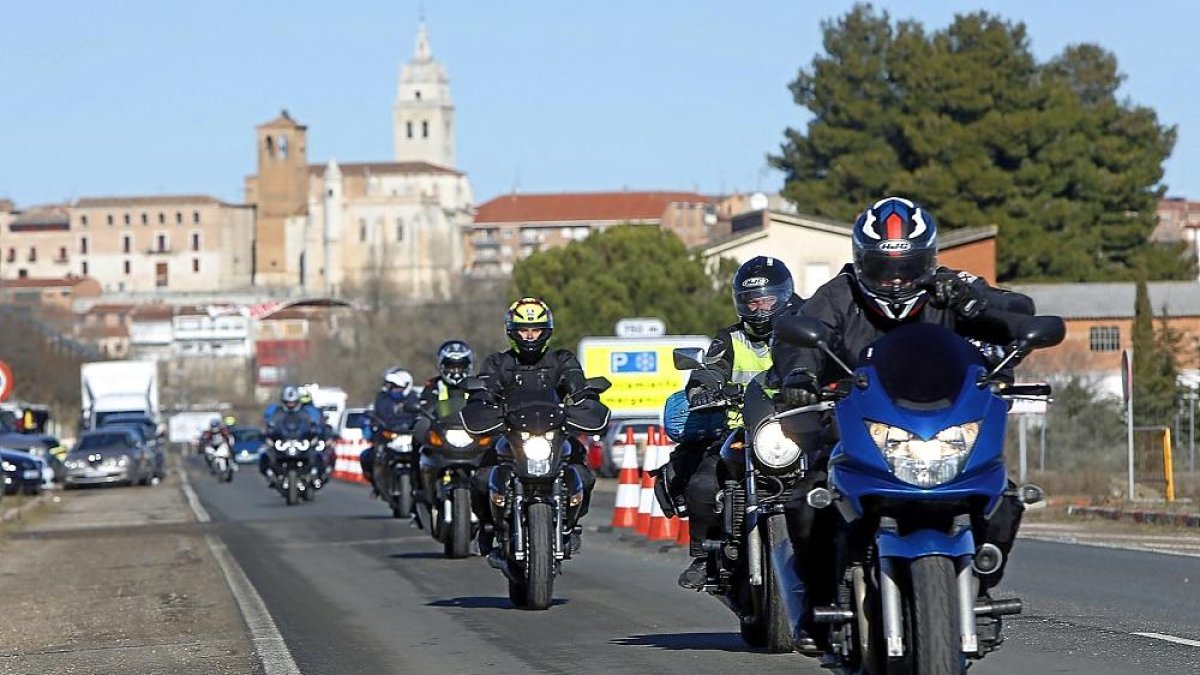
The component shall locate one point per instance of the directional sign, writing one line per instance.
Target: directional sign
(639, 327)
(6, 381)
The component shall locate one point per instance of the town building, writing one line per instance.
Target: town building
(61, 294)
(1178, 220)
(510, 227)
(389, 228)
(816, 248)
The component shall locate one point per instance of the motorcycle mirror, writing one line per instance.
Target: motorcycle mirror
(1031, 494)
(687, 358)
(801, 331)
(598, 384)
(1039, 332)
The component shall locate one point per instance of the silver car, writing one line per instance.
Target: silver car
(104, 456)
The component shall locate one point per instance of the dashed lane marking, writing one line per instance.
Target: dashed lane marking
(1170, 638)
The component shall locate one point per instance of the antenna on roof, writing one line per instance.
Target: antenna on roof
(516, 186)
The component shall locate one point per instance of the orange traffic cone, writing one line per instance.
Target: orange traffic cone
(628, 491)
(661, 527)
(646, 501)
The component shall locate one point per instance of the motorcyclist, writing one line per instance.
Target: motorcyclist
(530, 363)
(394, 408)
(216, 430)
(762, 289)
(289, 402)
(443, 394)
(894, 279)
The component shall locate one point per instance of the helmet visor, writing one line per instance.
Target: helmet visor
(762, 301)
(894, 276)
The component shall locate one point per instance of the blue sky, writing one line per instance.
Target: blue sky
(152, 97)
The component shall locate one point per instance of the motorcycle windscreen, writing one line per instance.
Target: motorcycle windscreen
(293, 425)
(922, 366)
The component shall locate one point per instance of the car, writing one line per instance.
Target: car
(147, 430)
(23, 472)
(109, 455)
(350, 428)
(612, 444)
(248, 443)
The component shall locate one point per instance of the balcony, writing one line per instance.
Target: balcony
(161, 250)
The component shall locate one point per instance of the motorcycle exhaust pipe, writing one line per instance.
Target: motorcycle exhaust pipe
(998, 607)
(988, 559)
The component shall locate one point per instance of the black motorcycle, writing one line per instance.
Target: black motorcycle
(534, 497)
(759, 467)
(395, 467)
(449, 458)
(295, 442)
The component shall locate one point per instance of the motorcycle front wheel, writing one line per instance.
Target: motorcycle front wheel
(457, 535)
(539, 565)
(404, 498)
(293, 490)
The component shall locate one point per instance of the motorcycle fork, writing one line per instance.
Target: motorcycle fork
(518, 521)
(559, 508)
(889, 595)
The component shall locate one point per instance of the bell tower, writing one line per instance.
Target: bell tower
(281, 190)
(423, 113)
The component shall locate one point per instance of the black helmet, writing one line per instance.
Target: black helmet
(757, 279)
(529, 313)
(456, 361)
(895, 244)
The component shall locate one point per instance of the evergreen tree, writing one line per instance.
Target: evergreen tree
(627, 271)
(1154, 366)
(966, 121)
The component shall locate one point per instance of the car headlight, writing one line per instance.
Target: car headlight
(537, 448)
(773, 448)
(924, 463)
(7, 467)
(460, 438)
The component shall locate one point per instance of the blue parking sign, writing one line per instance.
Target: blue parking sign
(634, 362)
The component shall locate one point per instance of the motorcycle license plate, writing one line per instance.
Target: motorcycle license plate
(538, 466)
(401, 443)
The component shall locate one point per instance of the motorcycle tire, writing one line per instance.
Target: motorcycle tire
(936, 647)
(458, 535)
(776, 627)
(539, 564)
(293, 488)
(309, 492)
(403, 507)
(228, 474)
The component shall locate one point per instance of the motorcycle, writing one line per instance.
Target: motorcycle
(535, 498)
(449, 458)
(917, 471)
(759, 467)
(294, 443)
(220, 459)
(395, 467)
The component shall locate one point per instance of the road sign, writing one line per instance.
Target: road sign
(641, 327)
(641, 370)
(6, 381)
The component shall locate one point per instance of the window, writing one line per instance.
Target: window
(126, 244)
(12, 255)
(424, 129)
(283, 147)
(162, 218)
(32, 254)
(195, 241)
(162, 243)
(196, 265)
(195, 216)
(1104, 338)
(408, 128)
(62, 252)
(109, 219)
(127, 267)
(417, 93)
(270, 145)
(83, 268)
(178, 218)
(83, 243)
(362, 230)
(83, 221)
(145, 219)
(399, 229)
(126, 218)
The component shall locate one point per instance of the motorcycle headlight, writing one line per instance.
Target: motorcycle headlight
(303, 445)
(774, 449)
(460, 438)
(536, 448)
(924, 463)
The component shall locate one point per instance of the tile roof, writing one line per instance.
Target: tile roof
(283, 121)
(366, 168)
(582, 206)
(153, 200)
(966, 235)
(67, 282)
(1111, 300)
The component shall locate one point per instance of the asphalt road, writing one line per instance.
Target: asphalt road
(353, 590)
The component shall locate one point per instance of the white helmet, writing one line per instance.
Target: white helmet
(398, 378)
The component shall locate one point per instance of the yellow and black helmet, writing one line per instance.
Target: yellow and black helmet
(529, 313)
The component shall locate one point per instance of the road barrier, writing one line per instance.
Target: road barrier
(625, 512)
(347, 467)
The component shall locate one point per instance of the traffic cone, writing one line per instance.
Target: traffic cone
(683, 537)
(646, 501)
(628, 491)
(661, 527)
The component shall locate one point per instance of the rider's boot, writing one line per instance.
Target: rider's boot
(695, 576)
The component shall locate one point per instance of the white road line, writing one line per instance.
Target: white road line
(1170, 638)
(269, 645)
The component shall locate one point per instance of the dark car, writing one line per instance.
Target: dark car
(112, 455)
(147, 431)
(248, 443)
(22, 470)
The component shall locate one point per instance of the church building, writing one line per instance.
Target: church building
(393, 229)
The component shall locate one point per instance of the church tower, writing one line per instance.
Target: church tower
(423, 114)
(280, 191)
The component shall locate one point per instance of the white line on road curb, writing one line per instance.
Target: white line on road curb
(272, 651)
(1170, 638)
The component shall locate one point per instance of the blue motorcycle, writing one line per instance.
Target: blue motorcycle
(918, 468)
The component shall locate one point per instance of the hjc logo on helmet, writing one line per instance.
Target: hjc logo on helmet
(755, 282)
(895, 246)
